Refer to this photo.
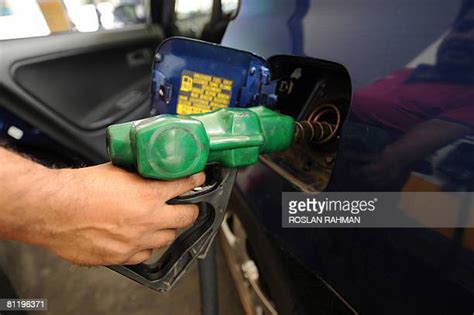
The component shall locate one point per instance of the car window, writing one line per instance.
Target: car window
(193, 16)
(230, 6)
(29, 18)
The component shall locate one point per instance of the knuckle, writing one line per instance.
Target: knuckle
(123, 253)
(159, 194)
(139, 257)
(144, 256)
(150, 193)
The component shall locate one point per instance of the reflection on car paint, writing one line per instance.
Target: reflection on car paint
(410, 129)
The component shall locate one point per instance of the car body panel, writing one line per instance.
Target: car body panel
(387, 271)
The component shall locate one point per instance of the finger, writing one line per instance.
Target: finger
(171, 189)
(139, 257)
(161, 238)
(177, 216)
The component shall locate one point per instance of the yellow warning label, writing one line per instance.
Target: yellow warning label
(202, 93)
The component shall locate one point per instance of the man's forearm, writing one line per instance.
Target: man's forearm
(25, 186)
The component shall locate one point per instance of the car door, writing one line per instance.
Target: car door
(63, 83)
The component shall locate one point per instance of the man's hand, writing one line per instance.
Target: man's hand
(98, 215)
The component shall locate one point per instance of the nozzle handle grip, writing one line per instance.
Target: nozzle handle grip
(192, 244)
(168, 147)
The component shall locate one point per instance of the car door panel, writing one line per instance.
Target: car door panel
(71, 86)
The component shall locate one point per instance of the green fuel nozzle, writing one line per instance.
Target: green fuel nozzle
(173, 146)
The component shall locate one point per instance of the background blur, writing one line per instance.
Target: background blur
(31, 18)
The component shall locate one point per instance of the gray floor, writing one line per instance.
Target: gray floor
(70, 289)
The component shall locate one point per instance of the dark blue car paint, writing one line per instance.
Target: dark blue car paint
(378, 271)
